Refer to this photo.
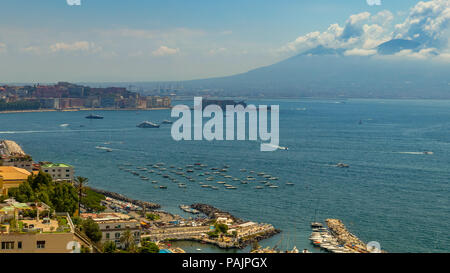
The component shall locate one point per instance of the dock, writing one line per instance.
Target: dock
(336, 238)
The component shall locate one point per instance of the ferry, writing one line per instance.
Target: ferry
(148, 124)
(91, 116)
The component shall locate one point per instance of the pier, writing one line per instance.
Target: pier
(336, 238)
(117, 196)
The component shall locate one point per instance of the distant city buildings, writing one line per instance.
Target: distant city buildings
(64, 95)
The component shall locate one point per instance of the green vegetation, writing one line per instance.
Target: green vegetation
(128, 240)
(218, 229)
(91, 200)
(60, 196)
(148, 247)
(152, 216)
(91, 229)
(109, 247)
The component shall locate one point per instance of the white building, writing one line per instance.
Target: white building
(113, 225)
(61, 172)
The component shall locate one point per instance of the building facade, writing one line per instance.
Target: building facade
(59, 171)
(11, 177)
(114, 225)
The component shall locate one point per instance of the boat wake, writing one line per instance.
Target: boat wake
(416, 153)
(275, 146)
(104, 148)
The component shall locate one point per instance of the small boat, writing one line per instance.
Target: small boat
(163, 187)
(342, 165)
(231, 188)
(290, 184)
(182, 185)
(273, 187)
(167, 122)
(259, 187)
(91, 116)
(148, 124)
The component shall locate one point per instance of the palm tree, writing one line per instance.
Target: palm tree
(127, 239)
(81, 181)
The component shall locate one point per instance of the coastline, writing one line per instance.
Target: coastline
(82, 109)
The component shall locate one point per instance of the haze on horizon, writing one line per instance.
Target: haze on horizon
(126, 41)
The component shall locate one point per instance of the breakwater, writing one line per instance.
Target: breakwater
(121, 197)
(213, 212)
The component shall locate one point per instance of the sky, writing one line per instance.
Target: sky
(174, 40)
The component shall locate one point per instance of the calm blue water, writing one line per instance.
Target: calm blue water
(389, 194)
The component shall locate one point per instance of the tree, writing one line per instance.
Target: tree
(109, 247)
(92, 230)
(222, 228)
(81, 181)
(148, 247)
(127, 239)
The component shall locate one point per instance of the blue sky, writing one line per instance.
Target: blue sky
(135, 40)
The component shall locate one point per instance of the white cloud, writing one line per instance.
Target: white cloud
(360, 31)
(360, 52)
(82, 46)
(426, 23)
(165, 51)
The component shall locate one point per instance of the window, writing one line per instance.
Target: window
(46, 171)
(19, 245)
(107, 235)
(117, 235)
(7, 245)
(67, 171)
(67, 175)
(40, 244)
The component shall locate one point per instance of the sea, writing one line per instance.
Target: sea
(392, 192)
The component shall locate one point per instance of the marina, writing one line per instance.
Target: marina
(336, 238)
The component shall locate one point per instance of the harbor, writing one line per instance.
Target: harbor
(336, 238)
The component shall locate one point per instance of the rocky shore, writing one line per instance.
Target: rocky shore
(247, 241)
(123, 198)
(213, 212)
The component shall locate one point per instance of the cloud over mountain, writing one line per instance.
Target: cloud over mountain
(425, 29)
